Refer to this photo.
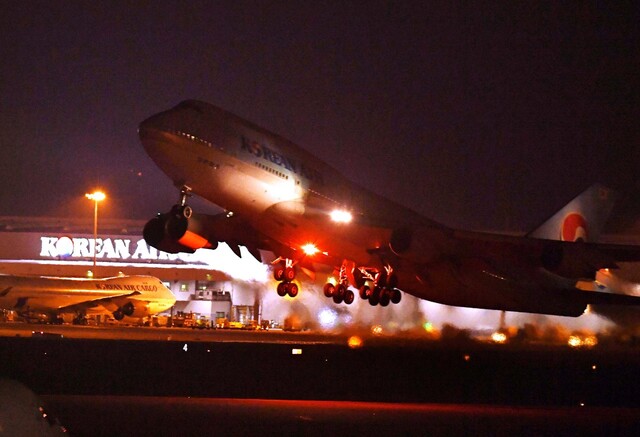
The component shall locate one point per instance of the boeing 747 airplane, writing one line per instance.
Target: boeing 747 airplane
(278, 197)
(47, 298)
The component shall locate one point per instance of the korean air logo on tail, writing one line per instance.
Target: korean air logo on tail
(574, 228)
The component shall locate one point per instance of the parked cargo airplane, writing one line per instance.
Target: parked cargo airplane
(44, 297)
(280, 198)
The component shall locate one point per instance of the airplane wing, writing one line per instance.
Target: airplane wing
(111, 303)
(569, 259)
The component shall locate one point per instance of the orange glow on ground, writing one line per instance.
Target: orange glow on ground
(354, 342)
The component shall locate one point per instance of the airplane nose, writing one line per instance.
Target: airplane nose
(153, 123)
(152, 134)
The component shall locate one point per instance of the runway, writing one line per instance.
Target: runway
(158, 381)
(265, 417)
(124, 332)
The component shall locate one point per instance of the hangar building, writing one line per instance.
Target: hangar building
(206, 285)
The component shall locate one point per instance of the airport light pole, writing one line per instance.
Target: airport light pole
(96, 196)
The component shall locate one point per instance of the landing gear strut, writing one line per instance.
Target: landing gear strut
(285, 273)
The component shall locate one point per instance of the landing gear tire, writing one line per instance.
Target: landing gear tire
(339, 292)
(396, 296)
(329, 289)
(292, 289)
(278, 273)
(282, 289)
(348, 297)
(384, 297)
(365, 292)
(289, 274)
(374, 297)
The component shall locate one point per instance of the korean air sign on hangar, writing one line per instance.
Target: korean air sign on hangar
(115, 249)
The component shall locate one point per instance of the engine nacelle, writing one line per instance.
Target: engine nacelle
(131, 308)
(421, 245)
(180, 230)
(574, 260)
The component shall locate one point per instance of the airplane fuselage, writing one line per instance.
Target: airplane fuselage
(55, 295)
(280, 188)
(290, 197)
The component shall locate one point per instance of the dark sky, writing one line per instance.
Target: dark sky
(480, 115)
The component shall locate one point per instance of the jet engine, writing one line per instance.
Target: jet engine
(574, 260)
(181, 230)
(132, 308)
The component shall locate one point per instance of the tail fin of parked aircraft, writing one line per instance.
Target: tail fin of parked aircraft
(582, 219)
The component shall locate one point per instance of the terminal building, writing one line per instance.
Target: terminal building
(212, 283)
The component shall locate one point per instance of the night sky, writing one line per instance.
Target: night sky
(488, 115)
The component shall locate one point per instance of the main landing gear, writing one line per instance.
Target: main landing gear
(285, 273)
(383, 290)
(340, 292)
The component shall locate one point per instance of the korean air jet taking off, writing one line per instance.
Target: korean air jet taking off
(278, 197)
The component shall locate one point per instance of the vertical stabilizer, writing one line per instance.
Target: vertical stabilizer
(582, 219)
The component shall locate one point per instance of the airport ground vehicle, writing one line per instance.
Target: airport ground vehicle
(194, 321)
(224, 323)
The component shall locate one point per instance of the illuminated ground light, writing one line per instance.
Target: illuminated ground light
(574, 341)
(376, 330)
(588, 341)
(354, 342)
(499, 337)
(327, 318)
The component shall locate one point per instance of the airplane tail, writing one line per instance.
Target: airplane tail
(582, 219)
